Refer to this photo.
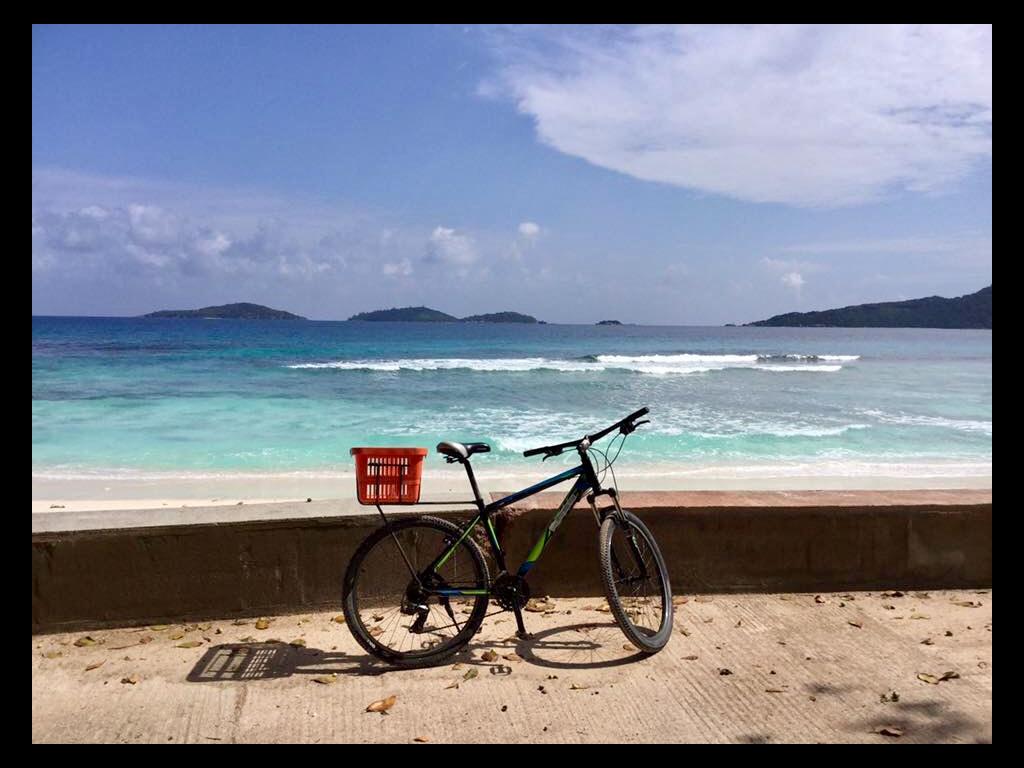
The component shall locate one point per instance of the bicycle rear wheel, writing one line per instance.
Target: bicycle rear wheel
(386, 607)
(636, 581)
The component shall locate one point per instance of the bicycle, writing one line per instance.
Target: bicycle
(411, 580)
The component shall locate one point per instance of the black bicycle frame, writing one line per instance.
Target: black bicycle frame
(586, 480)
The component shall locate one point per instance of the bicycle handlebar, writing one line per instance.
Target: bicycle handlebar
(625, 425)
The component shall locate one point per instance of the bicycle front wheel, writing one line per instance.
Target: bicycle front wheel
(390, 595)
(636, 581)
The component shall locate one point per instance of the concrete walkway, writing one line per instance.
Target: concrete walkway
(801, 668)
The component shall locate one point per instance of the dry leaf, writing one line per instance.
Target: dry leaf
(967, 603)
(680, 600)
(340, 618)
(927, 641)
(819, 599)
(888, 730)
(690, 658)
(926, 678)
(159, 627)
(190, 644)
(489, 656)
(575, 687)
(421, 739)
(325, 679)
(453, 685)
(893, 593)
(470, 674)
(949, 676)
(130, 680)
(262, 624)
(248, 639)
(511, 657)
(856, 624)
(298, 643)
(704, 599)
(239, 622)
(378, 617)
(922, 596)
(918, 616)
(84, 641)
(724, 671)
(773, 690)
(375, 631)
(176, 636)
(383, 705)
(53, 654)
(95, 665)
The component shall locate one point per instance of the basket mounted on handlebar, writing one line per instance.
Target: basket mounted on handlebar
(388, 475)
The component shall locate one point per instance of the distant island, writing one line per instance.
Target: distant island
(406, 315)
(242, 311)
(971, 311)
(428, 315)
(608, 322)
(500, 317)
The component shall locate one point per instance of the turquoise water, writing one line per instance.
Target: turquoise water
(126, 397)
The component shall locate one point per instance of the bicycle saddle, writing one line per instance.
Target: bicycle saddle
(462, 450)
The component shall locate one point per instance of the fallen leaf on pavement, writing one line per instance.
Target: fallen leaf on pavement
(190, 644)
(130, 680)
(489, 656)
(856, 624)
(383, 705)
(819, 599)
(894, 593)
(773, 690)
(967, 603)
(949, 676)
(176, 636)
(628, 647)
(340, 618)
(325, 679)
(927, 641)
(724, 671)
(453, 685)
(84, 641)
(888, 730)
(575, 687)
(53, 654)
(95, 665)
(690, 658)
(298, 643)
(704, 599)
(421, 739)
(924, 677)
(470, 674)
(262, 624)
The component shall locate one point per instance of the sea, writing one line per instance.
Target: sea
(126, 398)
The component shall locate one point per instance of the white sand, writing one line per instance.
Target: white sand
(169, 491)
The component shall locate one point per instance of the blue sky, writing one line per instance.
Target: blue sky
(664, 175)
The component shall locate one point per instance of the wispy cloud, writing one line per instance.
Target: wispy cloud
(804, 115)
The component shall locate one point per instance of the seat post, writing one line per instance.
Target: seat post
(472, 483)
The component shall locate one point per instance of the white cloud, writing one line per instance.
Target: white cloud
(529, 230)
(804, 115)
(401, 268)
(793, 280)
(449, 247)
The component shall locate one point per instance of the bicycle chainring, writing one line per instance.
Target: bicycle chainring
(510, 592)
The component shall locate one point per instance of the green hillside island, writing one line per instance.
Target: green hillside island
(971, 311)
(428, 315)
(242, 311)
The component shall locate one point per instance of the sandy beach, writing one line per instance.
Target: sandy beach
(155, 492)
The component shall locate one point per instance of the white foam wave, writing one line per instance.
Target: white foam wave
(962, 425)
(655, 365)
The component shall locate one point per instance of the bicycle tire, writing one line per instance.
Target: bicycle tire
(625, 608)
(352, 596)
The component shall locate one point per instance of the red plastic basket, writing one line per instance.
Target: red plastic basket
(388, 475)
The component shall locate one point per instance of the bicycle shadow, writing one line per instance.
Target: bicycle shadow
(242, 662)
(587, 645)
